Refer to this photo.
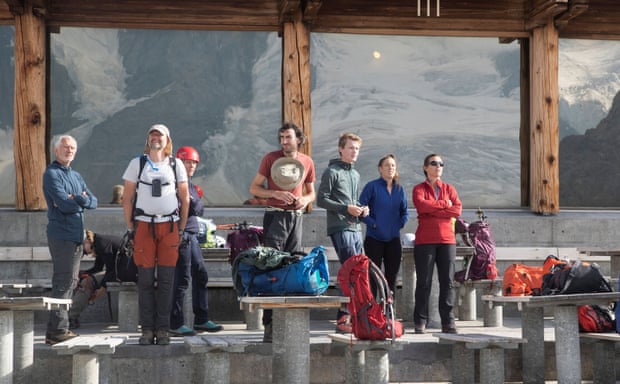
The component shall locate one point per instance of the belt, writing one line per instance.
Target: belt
(296, 212)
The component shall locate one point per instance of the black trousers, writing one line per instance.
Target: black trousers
(426, 256)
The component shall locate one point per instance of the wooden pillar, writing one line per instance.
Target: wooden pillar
(29, 143)
(544, 120)
(296, 76)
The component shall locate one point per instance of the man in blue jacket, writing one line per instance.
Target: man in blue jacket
(66, 195)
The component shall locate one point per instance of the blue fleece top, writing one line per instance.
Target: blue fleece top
(388, 211)
(195, 209)
(339, 189)
(65, 215)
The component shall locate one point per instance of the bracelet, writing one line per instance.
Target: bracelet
(181, 232)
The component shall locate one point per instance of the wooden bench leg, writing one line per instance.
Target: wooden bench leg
(491, 365)
(128, 310)
(604, 364)
(85, 368)
(463, 361)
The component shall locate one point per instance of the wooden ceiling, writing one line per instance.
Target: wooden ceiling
(592, 19)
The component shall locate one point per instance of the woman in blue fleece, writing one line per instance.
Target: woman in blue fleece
(388, 215)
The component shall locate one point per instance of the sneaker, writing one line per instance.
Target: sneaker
(208, 326)
(147, 338)
(343, 325)
(268, 333)
(448, 328)
(419, 328)
(182, 331)
(162, 337)
(56, 338)
(74, 323)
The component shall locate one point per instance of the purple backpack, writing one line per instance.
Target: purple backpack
(479, 236)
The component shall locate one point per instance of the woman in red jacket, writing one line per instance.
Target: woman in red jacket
(437, 205)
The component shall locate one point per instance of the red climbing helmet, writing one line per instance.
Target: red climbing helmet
(188, 153)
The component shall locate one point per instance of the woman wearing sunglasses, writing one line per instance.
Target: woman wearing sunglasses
(437, 204)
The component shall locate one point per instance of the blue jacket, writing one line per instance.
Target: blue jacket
(195, 209)
(388, 212)
(65, 215)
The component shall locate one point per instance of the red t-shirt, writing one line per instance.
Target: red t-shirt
(265, 170)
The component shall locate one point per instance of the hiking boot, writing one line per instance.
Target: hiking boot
(182, 331)
(343, 325)
(56, 338)
(268, 333)
(448, 328)
(74, 323)
(208, 326)
(162, 337)
(419, 328)
(147, 337)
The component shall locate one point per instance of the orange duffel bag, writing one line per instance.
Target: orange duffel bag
(524, 280)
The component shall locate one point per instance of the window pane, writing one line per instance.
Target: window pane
(7, 83)
(216, 91)
(413, 96)
(589, 81)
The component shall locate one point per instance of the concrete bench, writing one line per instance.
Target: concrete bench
(128, 308)
(215, 366)
(604, 359)
(86, 351)
(367, 361)
(491, 355)
(470, 292)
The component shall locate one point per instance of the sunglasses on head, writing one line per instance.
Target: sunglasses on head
(436, 163)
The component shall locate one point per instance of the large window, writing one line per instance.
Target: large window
(411, 96)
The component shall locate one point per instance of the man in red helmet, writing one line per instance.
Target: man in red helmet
(190, 265)
(285, 178)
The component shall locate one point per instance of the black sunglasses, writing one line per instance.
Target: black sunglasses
(436, 163)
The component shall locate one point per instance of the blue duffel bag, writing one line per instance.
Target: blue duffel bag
(265, 271)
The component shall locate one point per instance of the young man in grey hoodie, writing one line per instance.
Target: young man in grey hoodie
(338, 194)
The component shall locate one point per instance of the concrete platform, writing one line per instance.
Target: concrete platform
(423, 360)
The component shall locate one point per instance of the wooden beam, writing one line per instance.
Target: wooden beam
(542, 10)
(15, 6)
(29, 136)
(575, 8)
(544, 120)
(287, 10)
(311, 10)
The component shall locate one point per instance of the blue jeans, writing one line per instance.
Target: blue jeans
(190, 267)
(346, 244)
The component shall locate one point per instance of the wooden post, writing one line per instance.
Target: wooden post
(296, 76)
(544, 120)
(29, 144)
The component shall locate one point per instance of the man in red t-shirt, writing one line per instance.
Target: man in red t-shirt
(286, 179)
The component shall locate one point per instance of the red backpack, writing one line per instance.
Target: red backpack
(371, 319)
(595, 318)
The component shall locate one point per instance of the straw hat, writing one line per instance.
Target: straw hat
(286, 172)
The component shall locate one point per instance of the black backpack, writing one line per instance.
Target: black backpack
(574, 277)
(125, 268)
